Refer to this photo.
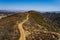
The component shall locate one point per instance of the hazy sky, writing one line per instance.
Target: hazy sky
(40, 5)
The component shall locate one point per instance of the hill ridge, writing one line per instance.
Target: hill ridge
(30, 24)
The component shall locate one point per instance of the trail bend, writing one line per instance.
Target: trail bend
(21, 30)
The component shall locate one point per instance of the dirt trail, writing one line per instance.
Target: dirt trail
(22, 32)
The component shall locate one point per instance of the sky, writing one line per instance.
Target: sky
(39, 5)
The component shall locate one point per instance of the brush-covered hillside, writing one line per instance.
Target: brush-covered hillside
(55, 17)
(31, 25)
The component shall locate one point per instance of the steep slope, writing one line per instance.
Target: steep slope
(28, 26)
(39, 26)
(36, 20)
(55, 17)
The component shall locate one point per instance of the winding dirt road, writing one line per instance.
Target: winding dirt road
(22, 32)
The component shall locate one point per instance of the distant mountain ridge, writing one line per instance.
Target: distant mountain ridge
(12, 10)
(27, 10)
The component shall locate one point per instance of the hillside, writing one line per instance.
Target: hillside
(29, 25)
(54, 17)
